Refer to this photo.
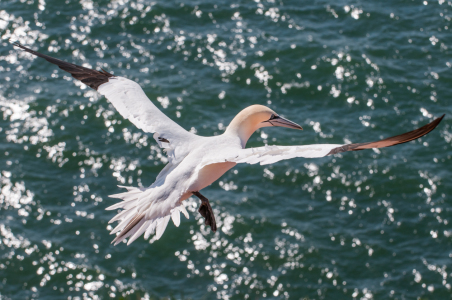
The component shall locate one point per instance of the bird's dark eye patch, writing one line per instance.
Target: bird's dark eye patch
(273, 117)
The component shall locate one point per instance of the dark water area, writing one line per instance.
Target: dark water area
(359, 225)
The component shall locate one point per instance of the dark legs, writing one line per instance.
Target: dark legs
(206, 211)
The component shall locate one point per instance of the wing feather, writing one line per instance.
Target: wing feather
(391, 141)
(91, 78)
(271, 154)
(132, 103)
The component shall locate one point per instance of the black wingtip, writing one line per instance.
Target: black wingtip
(91, 78)
(16, 43)
(437, 121)
(391, 141)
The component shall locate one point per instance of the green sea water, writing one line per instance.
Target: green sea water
(372, 224)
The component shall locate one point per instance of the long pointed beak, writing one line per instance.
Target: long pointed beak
(282, 122)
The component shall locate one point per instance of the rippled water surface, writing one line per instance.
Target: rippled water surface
(358, 225)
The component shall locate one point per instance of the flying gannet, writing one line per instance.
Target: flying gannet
(194, 162)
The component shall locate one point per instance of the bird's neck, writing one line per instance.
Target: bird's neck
(243, 127)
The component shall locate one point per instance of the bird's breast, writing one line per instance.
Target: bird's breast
(210, 174)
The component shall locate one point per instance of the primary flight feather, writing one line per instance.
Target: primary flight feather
(194, 162)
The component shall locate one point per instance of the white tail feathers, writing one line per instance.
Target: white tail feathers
(142, 214)
(161, 226)
(183, 210)
(175, 215)
(150, 230)
(141, 229)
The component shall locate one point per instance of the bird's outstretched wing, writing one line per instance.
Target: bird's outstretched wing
(271, 154)
(131, 102)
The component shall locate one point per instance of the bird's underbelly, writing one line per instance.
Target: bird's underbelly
(209, 174)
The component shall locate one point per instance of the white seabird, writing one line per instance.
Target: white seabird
(194, 162)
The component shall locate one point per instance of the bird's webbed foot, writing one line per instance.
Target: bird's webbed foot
(206, 211)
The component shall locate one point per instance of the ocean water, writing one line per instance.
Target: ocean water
(372, 224)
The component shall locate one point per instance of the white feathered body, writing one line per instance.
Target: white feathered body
(194, 161)
(176, 182)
